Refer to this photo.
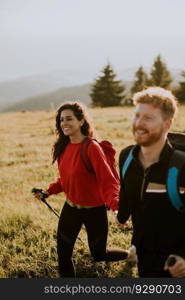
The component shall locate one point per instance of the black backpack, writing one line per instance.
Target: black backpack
(177, 162)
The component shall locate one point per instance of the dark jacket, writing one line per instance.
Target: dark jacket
(158, 228)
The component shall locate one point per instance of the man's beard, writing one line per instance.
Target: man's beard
(148, 139)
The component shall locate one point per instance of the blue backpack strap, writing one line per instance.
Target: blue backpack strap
(127, 163)
(176, 164)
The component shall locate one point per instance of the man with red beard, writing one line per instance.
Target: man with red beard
(158, 228)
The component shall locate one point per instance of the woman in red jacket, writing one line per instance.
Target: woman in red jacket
(88, 193)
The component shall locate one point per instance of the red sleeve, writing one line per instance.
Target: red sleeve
(109, 185)
(55, 187)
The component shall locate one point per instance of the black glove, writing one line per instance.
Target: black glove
(40, 194)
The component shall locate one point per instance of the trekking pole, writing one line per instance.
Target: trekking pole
(43, 199)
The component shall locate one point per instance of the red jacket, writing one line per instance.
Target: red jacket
(82, 187)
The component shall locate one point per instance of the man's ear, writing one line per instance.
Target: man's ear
(168, 124)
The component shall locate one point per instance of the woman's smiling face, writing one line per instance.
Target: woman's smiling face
(70, 125)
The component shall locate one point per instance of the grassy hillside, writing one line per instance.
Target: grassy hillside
(27, 227)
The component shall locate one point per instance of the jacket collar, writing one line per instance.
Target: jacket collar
(164, 155)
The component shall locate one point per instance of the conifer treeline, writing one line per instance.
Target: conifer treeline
(107, 91)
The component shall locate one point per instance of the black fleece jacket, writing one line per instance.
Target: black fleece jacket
(158, 228)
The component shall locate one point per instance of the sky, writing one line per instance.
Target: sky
(40, 36)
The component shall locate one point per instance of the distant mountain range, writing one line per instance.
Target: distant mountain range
(17, 90)
(53, 99)
(47, 91)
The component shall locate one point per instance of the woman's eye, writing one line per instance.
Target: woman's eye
(68, 119)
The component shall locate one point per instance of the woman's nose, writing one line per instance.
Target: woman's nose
(63, 122)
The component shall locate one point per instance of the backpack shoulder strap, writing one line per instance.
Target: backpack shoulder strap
(127, 163)
(84, 156)
(108, 150)
(176, 164)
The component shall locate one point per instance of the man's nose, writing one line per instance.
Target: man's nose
(139, 122)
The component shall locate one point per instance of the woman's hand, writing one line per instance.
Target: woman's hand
(116, 220)
(40, 194)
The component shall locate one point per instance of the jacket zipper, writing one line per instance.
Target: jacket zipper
(143, 183)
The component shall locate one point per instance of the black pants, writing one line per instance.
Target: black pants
(96, 224)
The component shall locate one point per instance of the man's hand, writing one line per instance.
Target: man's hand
(178, 269)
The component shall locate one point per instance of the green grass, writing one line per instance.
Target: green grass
(27, 227)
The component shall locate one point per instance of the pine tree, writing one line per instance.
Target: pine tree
(180, 92)
(106, 91)
(141, 80)
(160, 76)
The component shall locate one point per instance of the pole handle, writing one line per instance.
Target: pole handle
(171, 260)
